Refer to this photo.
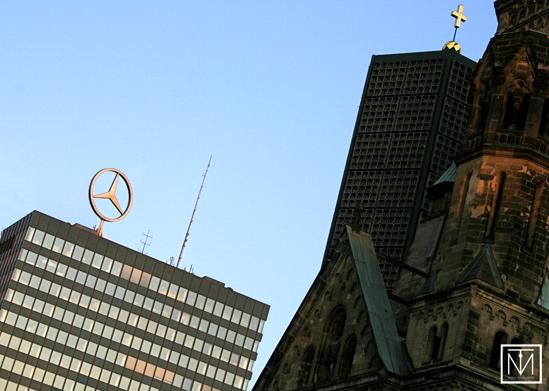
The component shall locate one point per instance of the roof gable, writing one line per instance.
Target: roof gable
(382, 319)
(483, 267)
(341, 328)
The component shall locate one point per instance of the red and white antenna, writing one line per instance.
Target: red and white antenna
(186, 239)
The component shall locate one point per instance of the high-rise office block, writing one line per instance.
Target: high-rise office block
(411, 124)
(80, 312)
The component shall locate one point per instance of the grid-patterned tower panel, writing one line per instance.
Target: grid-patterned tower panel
(410, 126)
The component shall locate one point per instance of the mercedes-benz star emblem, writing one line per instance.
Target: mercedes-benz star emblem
(111, 196)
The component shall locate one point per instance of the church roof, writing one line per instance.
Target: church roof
(447, 176)
(379, 308)
(374, 318)
(420, 256)
(483, 267)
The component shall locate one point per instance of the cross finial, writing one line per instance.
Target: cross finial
(460, 17)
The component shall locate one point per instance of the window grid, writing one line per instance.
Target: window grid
(116, 268)
(111, 290)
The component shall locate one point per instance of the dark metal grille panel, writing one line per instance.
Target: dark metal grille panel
(412, 106)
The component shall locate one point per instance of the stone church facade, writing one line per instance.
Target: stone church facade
(477, 271)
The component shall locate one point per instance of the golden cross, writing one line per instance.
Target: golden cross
(459, 16)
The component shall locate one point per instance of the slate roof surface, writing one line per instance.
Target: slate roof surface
(382, 320)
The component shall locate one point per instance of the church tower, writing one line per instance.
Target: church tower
(411, 123)
(488, 276)
(476, 275)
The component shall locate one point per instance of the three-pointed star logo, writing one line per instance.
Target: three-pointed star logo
(111, 194)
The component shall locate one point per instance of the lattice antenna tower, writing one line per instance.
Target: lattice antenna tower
(146, 241)
(186, 239)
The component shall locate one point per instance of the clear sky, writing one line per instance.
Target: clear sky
(270, 88)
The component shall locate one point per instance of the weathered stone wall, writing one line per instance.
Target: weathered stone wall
(451, 310)
(338, 291)
(478, 217)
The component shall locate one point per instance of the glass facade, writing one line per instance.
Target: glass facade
(82, 313)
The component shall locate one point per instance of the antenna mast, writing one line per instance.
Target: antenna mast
(192, 215)
(147, 240)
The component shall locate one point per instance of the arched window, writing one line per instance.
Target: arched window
(480, 117)
(543, 298)
(432, 344)
(534, 211)
(483, 113)
(515, 354)
(331, 345)
(516, 106)
(347, 356)
(495, 209)
(499, 339)
(544, 123)
(463, 202)
(522, 113)
(509, 110)
(443, 335)
(306, 366)
(436, 341)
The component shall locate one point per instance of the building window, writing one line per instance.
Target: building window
(516, 106)
(347, 356)
(495, 209)
(436, 342)
(461, 213)
(544, 292)
(515, 354)
(483, 112)
(443, 334)
(331, 345)
(306, 366)
(544, 124)
(534, 211)
(499, 339)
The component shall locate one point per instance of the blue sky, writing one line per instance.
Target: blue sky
(269, 88)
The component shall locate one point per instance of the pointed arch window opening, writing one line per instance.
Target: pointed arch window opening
(543, 299)
(432, 344)
(484, 108)
(533, 218)
(517, 102)
(436, 343)
(462, 204)
(347, 356)
(443, 336)
(544, 123)
(306, 366)
(327, 360)
(499, 339)
(480, 116)
(514, 354)
(495, 208)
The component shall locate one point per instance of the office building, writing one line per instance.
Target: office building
(80, 312)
